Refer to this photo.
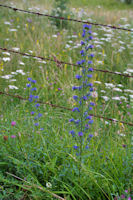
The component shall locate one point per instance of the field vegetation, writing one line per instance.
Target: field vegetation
(37, 155)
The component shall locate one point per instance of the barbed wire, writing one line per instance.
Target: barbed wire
(65, 108)
(62, 62)
(66, 19)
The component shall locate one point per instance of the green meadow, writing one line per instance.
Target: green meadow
(37, 158)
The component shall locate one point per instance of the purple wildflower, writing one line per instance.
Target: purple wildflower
(80, 133)
(13, 123)
(13, 136)
(75, 109)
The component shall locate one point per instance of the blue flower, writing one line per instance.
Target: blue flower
(36, 97)
(79, 88)
(75, 147)
(80, 133)
(28, 85)
(90, 32)
(39, 115)
(90, 84)
(37, 105)
(90, 108)
(90, 136)
(71, 120)
(84, 98)
(83, 34)
(41, 129)
(78, 77)
(32, 113)
(88, 94)
(30, 99)
(72, 132)
(82, 42)
(88, 117)
(90, 62)
(80, 102)
(74, 88)
(75, 97)
(75, 109)
(36, 124)
(89, 75)
(91, 89)
(90, 69)
(33, 89)
(91, 46)
(82, 52)
(33, 81)
(77, 121)
(87, 147)
(91, 55)
(92, 103)
(87, 26)
(31, 96)
(91, 37)
(90, 121)
(29, 79)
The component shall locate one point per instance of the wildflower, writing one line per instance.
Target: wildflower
(82, 52)
(28, 85)
(89, 75)
(91, 89)
(84, 95)
(13, 136)
(90, 69)
(75, 109)
(71, 120)
(90, 62)
(91, 55)
(29, 79)
(72, 132)
(33, 89)
(90, 122)
(75, 97)
(88, 117)
(84, 98)
(36, 97)
(39, 115)
(13, 123)
(80, 133)
(87, 26)
(48, 185)
(90, 136)
(33, 81)
(74, 88)
(37, 105)
(77, 121)
(75, 147)
(90, 108)
(36, 124)
(32, 113)
(92, 104)
(82, 42)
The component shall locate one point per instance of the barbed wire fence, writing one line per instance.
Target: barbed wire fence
(62, 62)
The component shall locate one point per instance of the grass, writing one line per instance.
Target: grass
(35, 158)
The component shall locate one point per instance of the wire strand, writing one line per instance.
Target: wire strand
(65, 108)
(62, 62)
(65, 19)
